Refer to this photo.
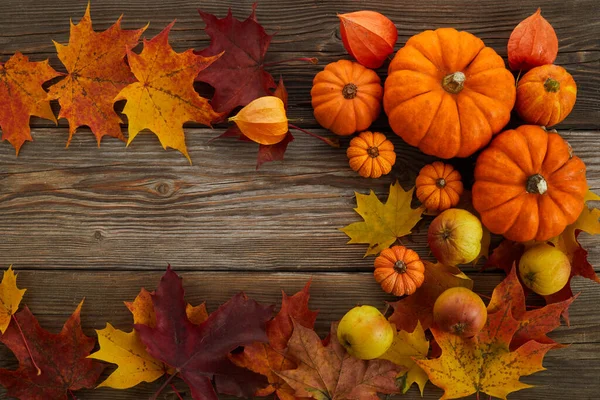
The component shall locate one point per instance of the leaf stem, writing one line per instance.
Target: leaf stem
(331, 142)
(39, 371)
(176, 391)
(164, 385)
(72, 394)
(312, 60)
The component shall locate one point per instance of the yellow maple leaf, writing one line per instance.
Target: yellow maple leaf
(126, 350)
(484, 363)
(405, 348)
(164, 97)
(10, 298)
(588, 222)
(383, 223)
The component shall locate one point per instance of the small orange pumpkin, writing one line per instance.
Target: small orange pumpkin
(346, 97)
(399, 271)
(447, 93)
(546, 95)
(371, 154)
(439, 186)
(528, 184)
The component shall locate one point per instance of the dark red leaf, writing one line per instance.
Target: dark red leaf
(238, 76)
(200, 353)
(273, 152)
(62, 359)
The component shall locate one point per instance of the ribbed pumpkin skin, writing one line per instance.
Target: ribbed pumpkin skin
(428, 116)
(345, 112)
(439, 186)
(546, 95)
(371, 154)
(392, 281)
(500, 191)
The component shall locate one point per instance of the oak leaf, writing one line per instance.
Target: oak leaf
(10, 298)
(270, 358)
(405, 348)
(327, 372)
(163, 98)
(199, 353)
(97, 72)
(383, 223)
(418, 307)
(238, 76)
(60, 357)
(126, 350)
(533, 324)
(484, 363)
(21, 96)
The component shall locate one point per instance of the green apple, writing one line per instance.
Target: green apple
(365, 333)
(455, 237)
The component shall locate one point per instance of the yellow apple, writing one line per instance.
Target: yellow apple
(365, 333)
(544, 269)
(455, 237)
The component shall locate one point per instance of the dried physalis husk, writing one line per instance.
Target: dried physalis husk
(532, 43)
(263, 120)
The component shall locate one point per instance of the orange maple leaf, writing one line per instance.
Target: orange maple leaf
(484, 363)
(97, 72)
(21, 96)
(164, 96)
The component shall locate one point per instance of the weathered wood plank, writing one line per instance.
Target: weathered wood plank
(52, 296)
(141, 207)
(310, 29)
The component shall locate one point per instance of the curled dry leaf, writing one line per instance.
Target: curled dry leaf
(532, 43)
(97, 72)
(263, 120)
(10, 298)
(368, 36)
(21, 96)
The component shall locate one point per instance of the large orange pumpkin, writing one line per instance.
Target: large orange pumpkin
(528, 185)
(346, 97)
(447, 93)
(546, 95)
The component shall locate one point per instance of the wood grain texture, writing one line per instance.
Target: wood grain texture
(308, 28)
(52, 296)
(101, 223)
(140, 207)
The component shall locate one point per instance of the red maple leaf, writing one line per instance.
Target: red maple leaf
(270, 358)
(61, 358)
(200, 353)
(533, 324)
(238, 76)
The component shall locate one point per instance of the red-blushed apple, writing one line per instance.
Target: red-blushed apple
(365, 333)
(459, 311)
(454, 237)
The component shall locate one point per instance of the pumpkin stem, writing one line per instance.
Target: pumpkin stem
(440, 183)
(536, 184)
(373, 152)
(454, 83)
(349, 91)
(400, 267)
(552, 85)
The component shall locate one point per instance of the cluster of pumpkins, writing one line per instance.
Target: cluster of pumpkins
(450, 95)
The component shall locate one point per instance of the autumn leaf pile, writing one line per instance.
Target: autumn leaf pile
(157, 84)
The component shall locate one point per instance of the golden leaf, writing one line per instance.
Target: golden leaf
(10, 298)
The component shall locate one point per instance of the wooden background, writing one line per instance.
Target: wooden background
(101, 223)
